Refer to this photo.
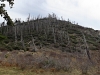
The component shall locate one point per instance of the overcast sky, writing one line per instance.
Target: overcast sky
(83, 12)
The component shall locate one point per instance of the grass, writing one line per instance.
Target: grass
(14, 71)
(17, 71)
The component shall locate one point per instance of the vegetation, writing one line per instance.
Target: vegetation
(2, 37)
(4, 13)
(50, 45)
(47, 61)
(48, 32)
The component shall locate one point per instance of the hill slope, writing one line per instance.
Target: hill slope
(50, 32)
(61, 47)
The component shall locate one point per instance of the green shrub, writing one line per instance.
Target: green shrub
(42, 37)
(9, 48)
(16, 48)
(6, 41)
(63, 45)
(27, 49)
(2, 37)
(56, 45)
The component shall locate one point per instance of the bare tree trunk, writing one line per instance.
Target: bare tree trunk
(22, 41)
(68, 38)
(15, 35)
(45, 35)
(7, 30)
(34, 49)
(86, 45)
(54, 35)
(2, 28)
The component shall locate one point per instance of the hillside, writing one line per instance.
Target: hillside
(49, 46)
(50, 32)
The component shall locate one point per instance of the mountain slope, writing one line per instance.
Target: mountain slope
(50, 32)
(56, 45)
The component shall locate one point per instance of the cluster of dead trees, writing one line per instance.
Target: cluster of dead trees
(47, 30)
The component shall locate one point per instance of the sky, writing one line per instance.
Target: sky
(84, 12)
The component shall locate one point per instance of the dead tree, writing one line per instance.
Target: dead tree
(86, 46)
(34, 49)
(67, 34)
(15, 34)
(2, 27)
(54, 35)
(22, 41)
(68, 38)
